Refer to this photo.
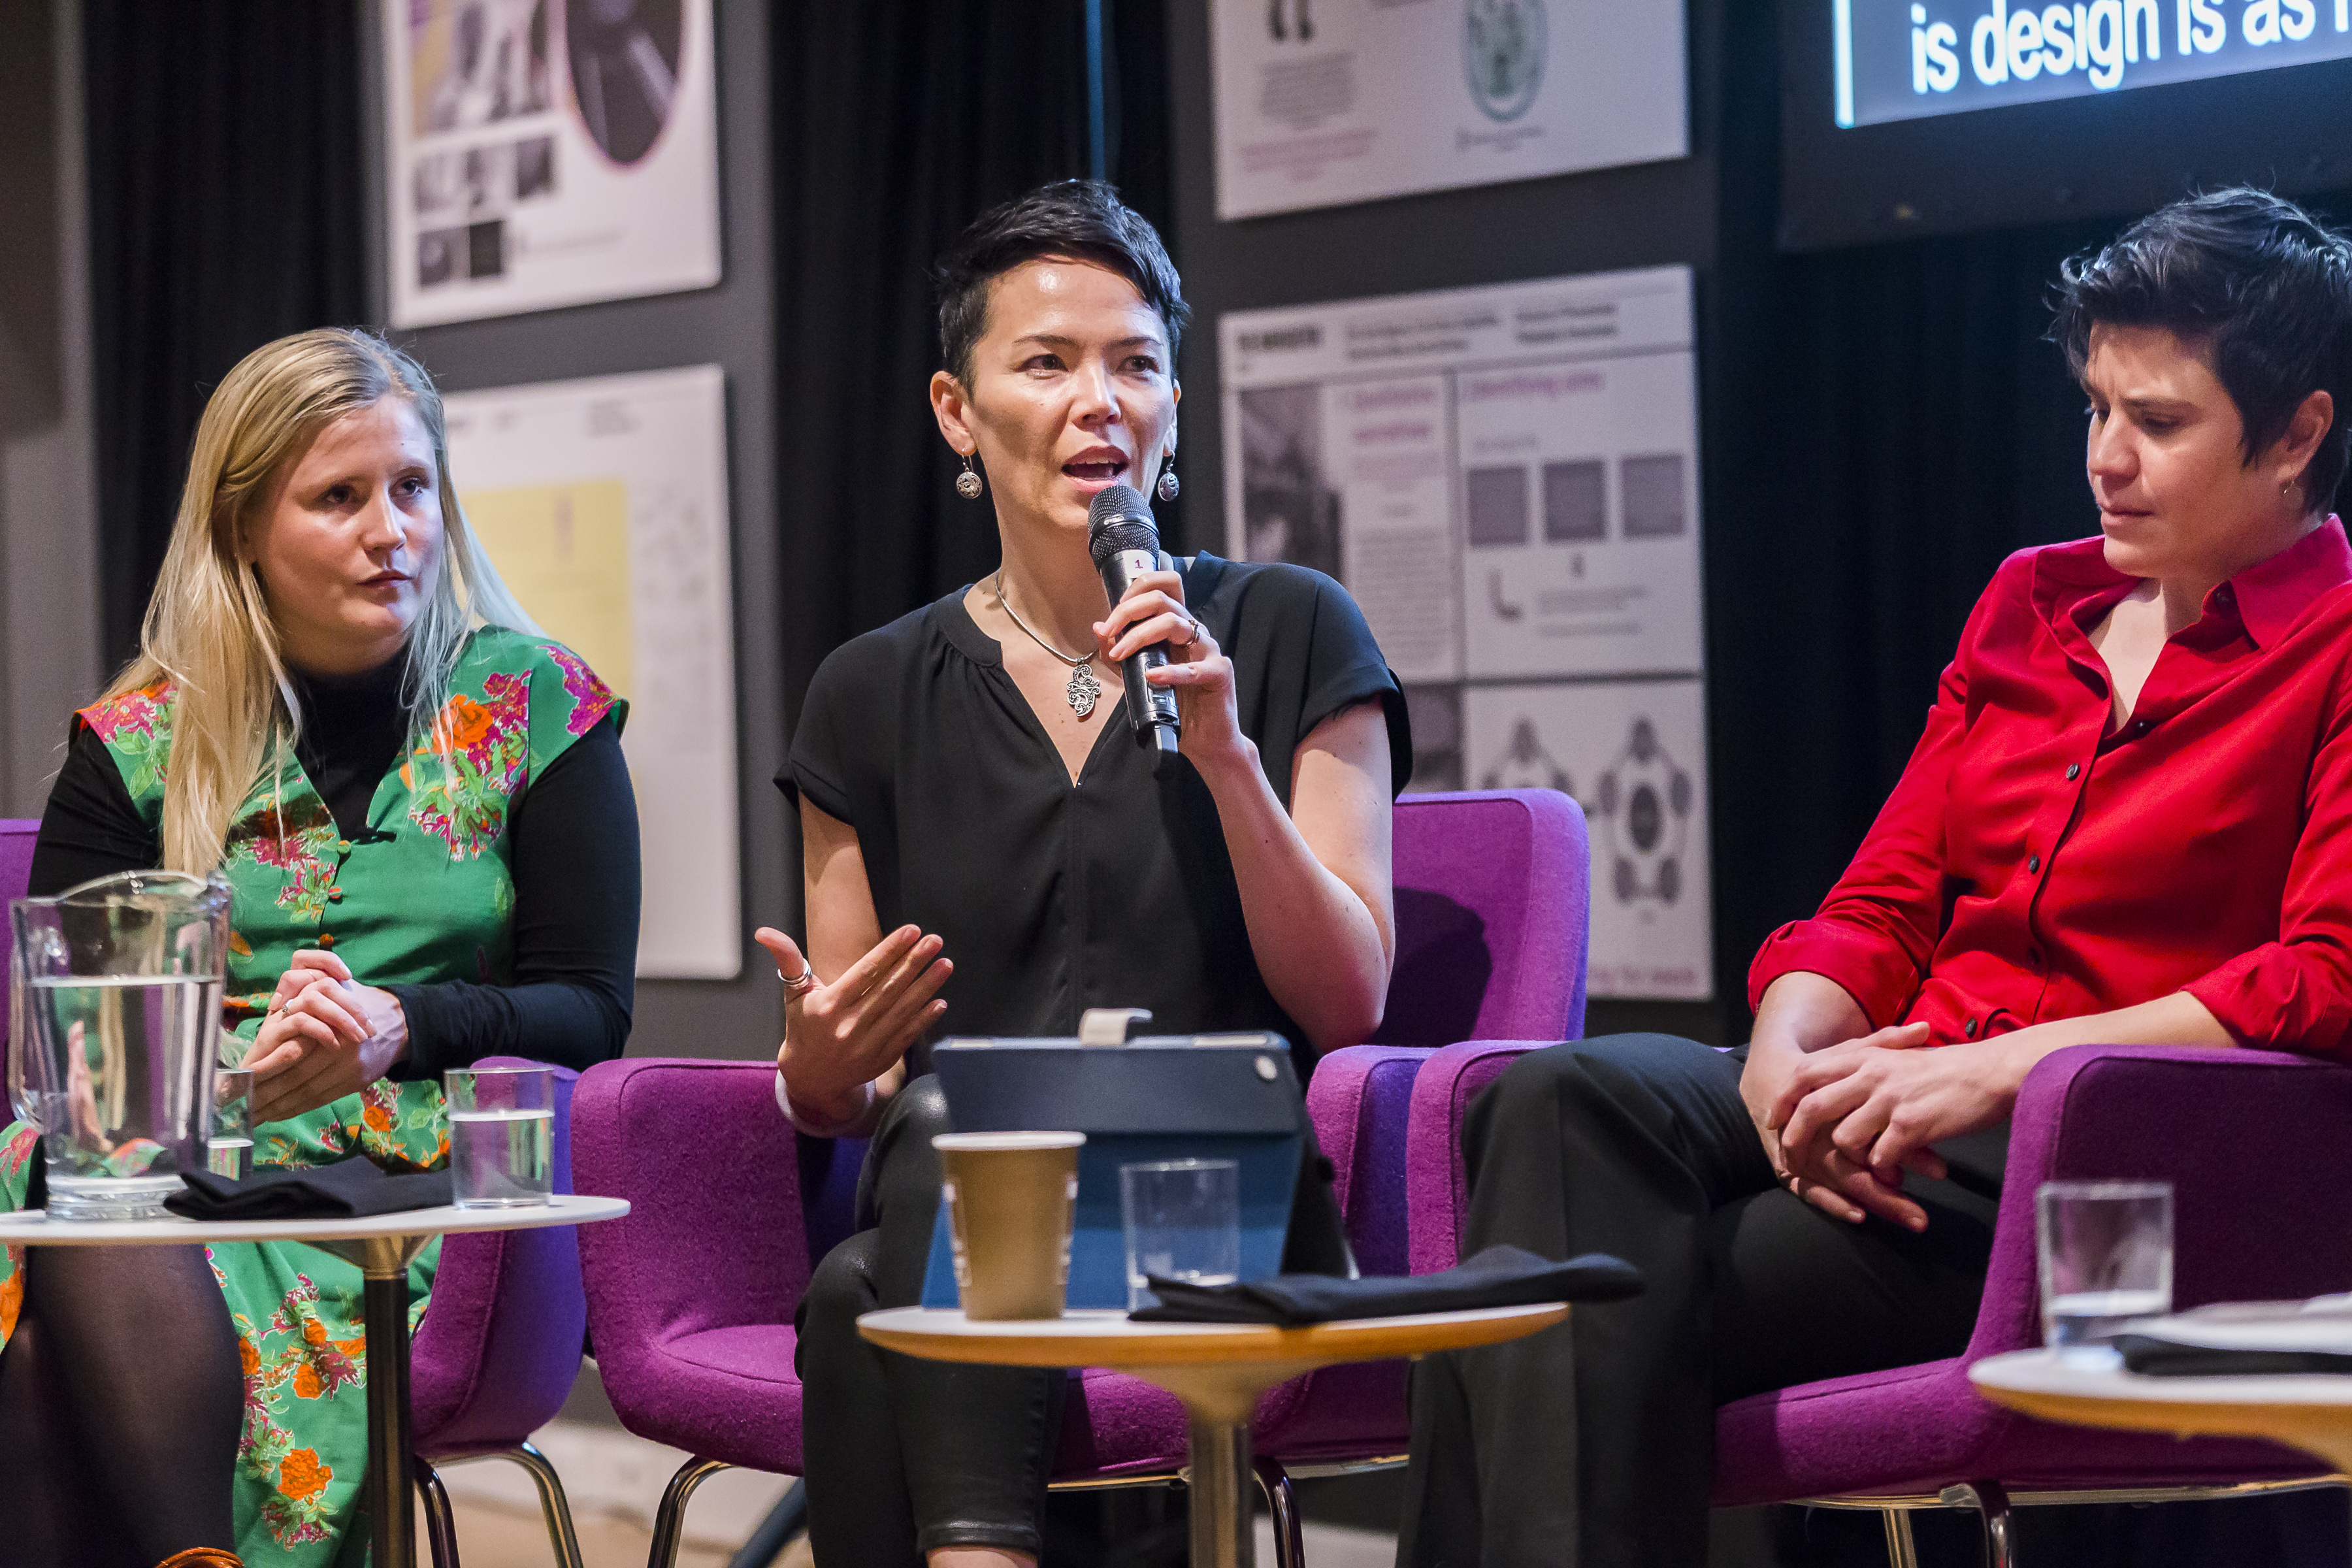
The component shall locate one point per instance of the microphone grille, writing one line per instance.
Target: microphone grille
(1119, 520)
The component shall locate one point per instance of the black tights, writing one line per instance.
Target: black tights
(119, 1401)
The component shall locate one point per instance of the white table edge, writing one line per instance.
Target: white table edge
(1112, 1324)
(33, 1227)
(2043, 1371)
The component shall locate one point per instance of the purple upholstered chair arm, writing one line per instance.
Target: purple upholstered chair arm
(499, 1346)
(1437, 1185)
(690, 1297)
(2254, 1143)
(1359, 1100)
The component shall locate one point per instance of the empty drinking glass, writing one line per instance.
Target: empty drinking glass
(501, 1136)
(1184, 1221)
(2105, 1252)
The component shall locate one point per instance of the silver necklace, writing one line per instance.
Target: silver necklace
(1083, 689)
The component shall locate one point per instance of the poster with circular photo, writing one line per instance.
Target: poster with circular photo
(624, 57)
(547, 153)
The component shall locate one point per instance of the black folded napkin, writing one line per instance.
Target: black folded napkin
(344, 1189)
(1497, 1277)
(2168, 1358)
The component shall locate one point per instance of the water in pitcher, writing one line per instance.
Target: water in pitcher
(501, 1159)
(117, 1099)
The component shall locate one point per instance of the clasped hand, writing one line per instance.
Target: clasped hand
(840, 1036)
(1842, 1124)
(324, 1036)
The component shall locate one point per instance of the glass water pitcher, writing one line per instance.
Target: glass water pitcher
(116, 1019)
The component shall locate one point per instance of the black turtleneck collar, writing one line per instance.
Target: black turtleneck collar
(353, 727)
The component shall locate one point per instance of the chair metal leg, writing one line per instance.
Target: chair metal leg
(1282, 1501)
(553, 1506)
(766, 1543)
(669, 1522)
(440, 1523)
(1991, 1502)
(1900, 1551)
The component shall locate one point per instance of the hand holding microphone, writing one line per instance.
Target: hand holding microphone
(1125, 543)
(1179, 684)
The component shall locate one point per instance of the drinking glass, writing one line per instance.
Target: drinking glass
(229, 1151)
(501, 1136)
(1184, 1221)
(118, 992)
(2106, 1255)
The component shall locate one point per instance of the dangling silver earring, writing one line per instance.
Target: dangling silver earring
(1168, 487)
(968, 483)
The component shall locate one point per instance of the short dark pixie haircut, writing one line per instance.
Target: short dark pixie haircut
(2261, 283)
(1083, 219)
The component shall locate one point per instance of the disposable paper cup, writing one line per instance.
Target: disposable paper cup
(1011, 1199)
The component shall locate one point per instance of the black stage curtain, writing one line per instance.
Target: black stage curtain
(226, 208)
(896, 122)
(1883, 426)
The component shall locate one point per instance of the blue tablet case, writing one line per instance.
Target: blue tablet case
(1211, 1096)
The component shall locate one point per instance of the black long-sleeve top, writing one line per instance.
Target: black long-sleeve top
(575, 914)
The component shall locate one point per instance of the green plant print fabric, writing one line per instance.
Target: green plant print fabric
(425, 895)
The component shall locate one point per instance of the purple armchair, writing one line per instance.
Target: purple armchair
(691, 1296)
(2253, 1144)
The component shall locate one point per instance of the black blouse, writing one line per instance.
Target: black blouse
(1053, 898)
(575, 915)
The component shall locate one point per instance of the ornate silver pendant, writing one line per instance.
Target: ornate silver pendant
(1081, 691)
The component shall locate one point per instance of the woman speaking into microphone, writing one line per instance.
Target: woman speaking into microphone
(987, 844)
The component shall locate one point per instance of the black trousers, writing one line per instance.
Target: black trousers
(1592, 1444)
(906, 1456)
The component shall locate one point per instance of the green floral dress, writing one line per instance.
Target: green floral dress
(426, 895)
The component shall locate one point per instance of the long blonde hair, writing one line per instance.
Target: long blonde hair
(208, 628)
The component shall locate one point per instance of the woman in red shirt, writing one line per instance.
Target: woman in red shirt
(2129, 821)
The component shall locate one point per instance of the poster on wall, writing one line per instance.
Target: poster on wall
(604, 504)
(546, 153)
(1320, 102)
(1507, 479)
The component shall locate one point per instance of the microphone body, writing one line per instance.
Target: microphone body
(1125, 544)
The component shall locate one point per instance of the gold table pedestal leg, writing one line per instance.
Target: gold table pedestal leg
(1219, 1401)
(391, 1472)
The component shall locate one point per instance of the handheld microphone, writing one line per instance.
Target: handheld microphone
(1125, 543)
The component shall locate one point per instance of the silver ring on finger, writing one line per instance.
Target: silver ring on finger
(1191, 632)
(800, 984)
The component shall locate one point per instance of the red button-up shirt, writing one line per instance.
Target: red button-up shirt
(2036, 862)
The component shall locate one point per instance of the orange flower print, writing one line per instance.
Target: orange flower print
(248, 1357)
(306, 1382)
(377, 1115)
(301, 1475)
(314, 1331)
(461, 723)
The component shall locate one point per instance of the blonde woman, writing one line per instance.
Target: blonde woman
(420, 804)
